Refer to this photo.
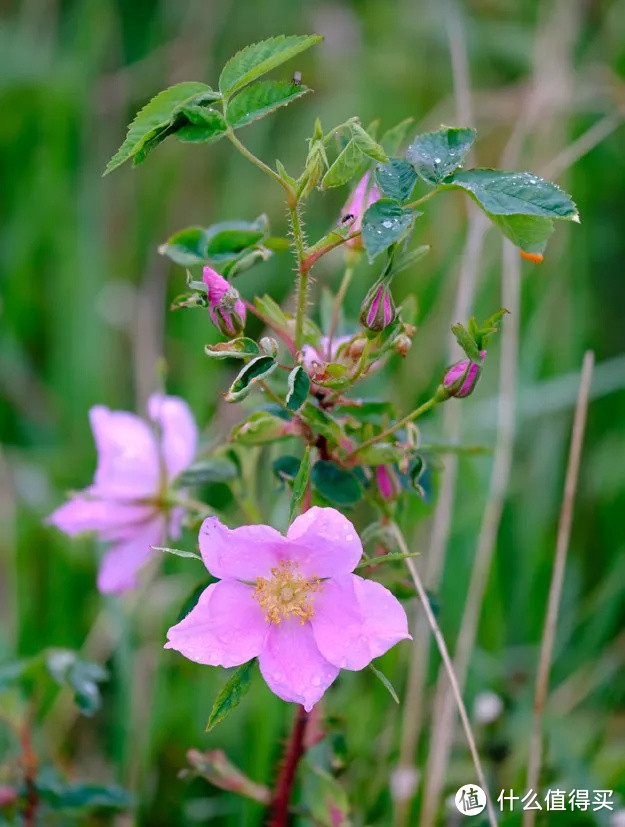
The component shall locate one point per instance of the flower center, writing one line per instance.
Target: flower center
(287, 593)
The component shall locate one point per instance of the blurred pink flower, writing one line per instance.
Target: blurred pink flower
(454, 381)
(357, 205)
(307, 616)
(125, 505)
(314, 359)
(225, 306)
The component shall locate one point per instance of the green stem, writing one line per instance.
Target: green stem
(338, 301)
(400, 424)
(302, 275)
(257, 162)
(423, 198)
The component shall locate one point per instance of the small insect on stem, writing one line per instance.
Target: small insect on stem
(297, 79)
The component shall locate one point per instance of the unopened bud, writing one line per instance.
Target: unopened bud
(378, 311)
(225, 307)
(402, 344)
(269, 345)
(460, 379)
(355, 349)
(388, 484)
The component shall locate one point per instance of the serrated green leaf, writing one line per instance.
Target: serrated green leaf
(260, 99)
(396, 179)
(395, 137)
(529, 232)
(367, 145)
(231, 695)
(240, 348)
(186, 247)
(300, 483)
(226, 244)
(298, 387)
(198, 124)
(383, 224)
(322, 422)
(215, 469)
(255, 371)
(385, 682)
(177, 552)
(335, 484)
(156, 117)
(514, 193)
(344, 167)
(260, 428)
(435, 155)
(258, 58)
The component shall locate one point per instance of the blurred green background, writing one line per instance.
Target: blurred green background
(84, 320)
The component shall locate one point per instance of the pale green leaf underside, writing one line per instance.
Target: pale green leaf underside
(258, 58)
(529, 232)
(157, 115)
(345, 167)
(260, 99)
(514, 193)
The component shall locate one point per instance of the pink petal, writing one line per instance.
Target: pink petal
(293, 667)
(84, 513)
(226, 627)
(128, 461)
(356, 620)
(179, 433)
(120, 565)
(242, 553)
(324, 543)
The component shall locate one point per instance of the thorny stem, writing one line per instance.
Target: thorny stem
(302, 274)
(399, 424)
(284, 785)
(442, 648)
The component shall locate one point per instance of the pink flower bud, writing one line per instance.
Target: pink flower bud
(378, 309)
(225, 307)
(357, 205)
(460, 379)
(388, 484)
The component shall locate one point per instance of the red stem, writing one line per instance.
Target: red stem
(279, 816)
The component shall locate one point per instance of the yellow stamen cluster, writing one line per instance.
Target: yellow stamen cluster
(286, 593)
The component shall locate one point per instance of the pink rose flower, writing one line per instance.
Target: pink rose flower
(314, 359)
(357, 205)
(291, 601)
(225, 306)
(125, 505)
